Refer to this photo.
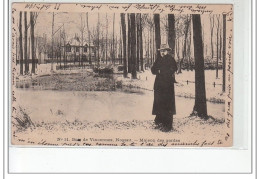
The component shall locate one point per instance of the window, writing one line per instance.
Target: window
(68, 48)
(85, 49)
(77, 49)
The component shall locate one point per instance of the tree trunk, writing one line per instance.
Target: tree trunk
(220, 44)
(189, 49)
(28, 48)
(106, 35)
(64, 48)
(137, 42)
(180, 59)
(124, 42)
(224, 53)
(171, 33)
(60, 49)
(113, 45)
(157, 34)
(32, 41)
(120, 45)
(200, 107)
(75, 55)
(178, 52)
(36, 47)
(184, 52)
(153, 44)
(150, 45)
(203, 37)
(82, 44)
(217, 47)
(21, 43)
(89, 48)
(129, 44)
(211, 37)
(133, 45)
(98, 57)
(52, 42)
(25, 44)
(141, 43)
(148, 48)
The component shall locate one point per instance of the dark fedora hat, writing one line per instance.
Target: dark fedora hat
(164, 47)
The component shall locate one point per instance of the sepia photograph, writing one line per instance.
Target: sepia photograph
(144, 75)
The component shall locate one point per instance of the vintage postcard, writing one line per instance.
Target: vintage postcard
(152, 75)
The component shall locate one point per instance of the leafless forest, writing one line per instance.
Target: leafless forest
(93, 70)
(128, 42)
(99, 39)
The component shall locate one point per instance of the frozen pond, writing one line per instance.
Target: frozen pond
(95, 106)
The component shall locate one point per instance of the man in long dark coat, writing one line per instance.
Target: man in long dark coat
(164, 96)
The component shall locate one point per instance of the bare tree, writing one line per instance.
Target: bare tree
(149, 58)
(220, 42)
(184, 51)
(52, 41)
(224, 53)
(89, 48)
(171, 33)
(63, 36)
(212, 24)
(178, 50)
(200, 107)
(151, 44)
(189, 47)
(21, 43)
(120, 46)
(33, 17)
(129, 44)
(133, 45)
(60, 49)
(218, 16)
(32, 41)
(124, 42)
(137, 41)
(113, 45)
(25, 44)
(178, 36)
(106, 35)
(157, 34)
(141, 42)
(115, 49)
(82, 29)
(148, 23)
(98, 45)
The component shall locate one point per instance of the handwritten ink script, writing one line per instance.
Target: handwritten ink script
(159, 142)
(229, 64)
(145, 8)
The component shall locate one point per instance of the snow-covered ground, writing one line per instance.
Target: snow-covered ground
(108, 114)
(116, 113)
(185, 85)
(45, 69)
(53, 106)
(182, 88)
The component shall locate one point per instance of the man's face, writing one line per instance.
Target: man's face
(163, 52)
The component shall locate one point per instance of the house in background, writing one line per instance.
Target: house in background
(74, 51)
